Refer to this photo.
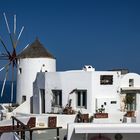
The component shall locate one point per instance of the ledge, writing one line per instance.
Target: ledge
(106, 128)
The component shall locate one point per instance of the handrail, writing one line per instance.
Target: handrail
(19, 122)
(23, 128)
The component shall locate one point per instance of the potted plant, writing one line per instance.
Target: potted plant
(129, 102)
(100, 113)
(68, 109)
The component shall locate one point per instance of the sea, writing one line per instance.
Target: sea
(6, 98)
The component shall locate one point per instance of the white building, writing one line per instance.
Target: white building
(103, 98)
(35, 58)
(94, 90)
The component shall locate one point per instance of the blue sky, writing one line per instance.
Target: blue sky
(102, 33)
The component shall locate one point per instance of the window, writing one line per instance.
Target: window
(82, 98)
(131, 82)
(20, 70)
(113, 102)
(57, 98)
(106, 79)
(23, 98)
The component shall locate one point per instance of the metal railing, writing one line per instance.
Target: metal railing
(21, 128)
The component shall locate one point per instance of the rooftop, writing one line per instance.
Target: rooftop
(35, 50)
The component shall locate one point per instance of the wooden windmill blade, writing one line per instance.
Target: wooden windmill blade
(4, 82)
(12, 84)
(3, 57)
(4, 67)
(15, 25)
(8, 28)
(3, 44)
(20, 33)
(10, 56)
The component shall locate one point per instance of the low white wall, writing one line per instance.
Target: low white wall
(23, 108)
(62, 120)
(127, 135)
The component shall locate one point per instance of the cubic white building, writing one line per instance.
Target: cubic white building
(92, 91)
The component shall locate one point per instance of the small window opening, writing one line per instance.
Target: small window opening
(20, 70)
(106, 79)
(23, 98)
(82, 98)
(113, 102)
(57, 98)
(131, 82)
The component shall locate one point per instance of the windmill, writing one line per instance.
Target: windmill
(9, 56)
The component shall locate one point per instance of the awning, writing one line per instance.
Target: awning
(130, 89)
(107, 128)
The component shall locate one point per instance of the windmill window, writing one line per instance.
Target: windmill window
(23, 98)
(20, 70)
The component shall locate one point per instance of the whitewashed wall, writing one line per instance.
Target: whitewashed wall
(82, 80)
(125, 80)
(30, 67)
(97, 94)
(38, 84)
(106, 93)
(67, 81)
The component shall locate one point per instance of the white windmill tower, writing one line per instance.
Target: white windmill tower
(33, 59)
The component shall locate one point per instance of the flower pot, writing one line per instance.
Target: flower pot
(130, 113)
(101, 115)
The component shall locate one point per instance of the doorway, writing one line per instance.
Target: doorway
(42, 103)
(131, 101)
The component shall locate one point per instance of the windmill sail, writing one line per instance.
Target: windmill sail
(3, 86)
(4, 67)
(10, 56)
(4, 46)
(14, 24)
(6, 21)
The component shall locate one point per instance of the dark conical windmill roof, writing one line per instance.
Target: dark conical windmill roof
(35, 50)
